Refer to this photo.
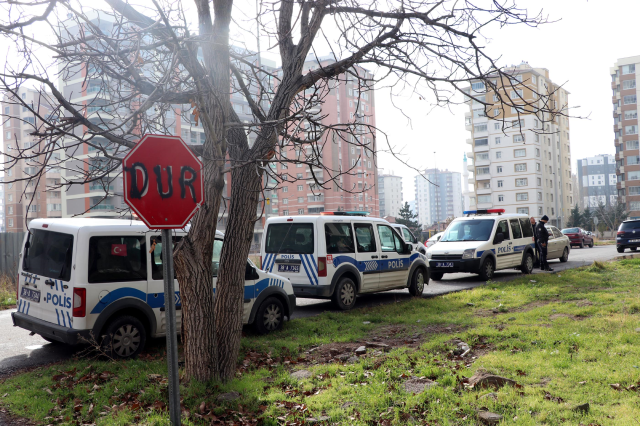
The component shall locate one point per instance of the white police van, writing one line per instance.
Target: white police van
(339, 255)
(408, 236)
(102, 278)
(483, 242)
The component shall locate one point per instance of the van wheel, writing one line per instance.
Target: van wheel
(417, 283)
(565, 255)
(344, 296)
(125, 337)
(620, 249)
(269, 317)
(436, 276)
(527, 264)
(486, 270)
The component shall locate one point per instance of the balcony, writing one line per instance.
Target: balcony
(485, 205)
(482, 162)
(470, 167)
(620, 170)
(470, 141)
(483, 191)
(481, 148)
(471, 181)
(470, 155)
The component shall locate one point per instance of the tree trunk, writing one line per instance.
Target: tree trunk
(193, 266)
(246, 185)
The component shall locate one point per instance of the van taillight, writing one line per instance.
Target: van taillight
(79, 302)
(322, 266)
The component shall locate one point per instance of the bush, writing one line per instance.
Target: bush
(7, 291)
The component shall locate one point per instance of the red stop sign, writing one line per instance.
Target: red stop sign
(163, 181)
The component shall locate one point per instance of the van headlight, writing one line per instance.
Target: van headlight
(468, 253)
(428, 254)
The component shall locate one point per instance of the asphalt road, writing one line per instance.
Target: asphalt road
(18, 350)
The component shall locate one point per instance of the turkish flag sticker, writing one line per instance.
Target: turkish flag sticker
(118, 249)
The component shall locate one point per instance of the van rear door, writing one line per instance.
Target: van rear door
(45, 275)
(290, 252)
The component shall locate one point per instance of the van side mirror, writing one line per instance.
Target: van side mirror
(499, 238)
(408, 248)
(250, 272)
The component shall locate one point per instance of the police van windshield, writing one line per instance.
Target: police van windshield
(49, 254)
(469, 230)
(294, 238)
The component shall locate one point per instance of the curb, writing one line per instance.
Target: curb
(627, 256)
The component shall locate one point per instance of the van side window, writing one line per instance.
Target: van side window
(515, 227)
(503, 227)
(527, 229)
(339, 238)
(156, 257)
(364, 237)
(117, 259)
(389, 241)
(215, 259)
(408, 236)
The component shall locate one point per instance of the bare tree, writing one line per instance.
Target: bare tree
(150, 64)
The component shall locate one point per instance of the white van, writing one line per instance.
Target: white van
(483, 242)
(408, 237)
(102, 278)
(338, 255)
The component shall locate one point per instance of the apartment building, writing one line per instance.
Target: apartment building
(390, 193)
(438, 196)
(596, 177)
(625, 127)
(521, 160)
(345, 101)
(2, 229)
(25, 200)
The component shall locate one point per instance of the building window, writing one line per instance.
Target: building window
(500, 183)
(498, 154)
(519, 152)
(631, 130)
(300, 200)
(497, 141)
(300, 187)
(480, 127)
(631, 114)
(517, 123)
(520, 167)
(481, 142)
(629, 99)
(628, 84)
(499, 169)
(522, 182)
(484, 198)
(478, 87)
(523, 210)
(632, 145)
(300, 211)
(539, 196)
(537, 151)
(537, 167)
(501, 198)
(482, 156)
(628, 69)
(496, 112)
(518, 138)
(522, 196)
(285, 189)
(10, 222)
(285, 201)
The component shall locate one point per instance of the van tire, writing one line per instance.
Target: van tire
(417, 282)
(344, 296)
(124, 337)
(527, 264)
(269, 316)
(436, 276)
(620, 249)
(487, 269)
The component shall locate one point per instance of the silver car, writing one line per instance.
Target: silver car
(559, 244)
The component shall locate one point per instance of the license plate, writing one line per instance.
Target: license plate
(288, 268)
(29, 294)
(444, 264)
(634, 241)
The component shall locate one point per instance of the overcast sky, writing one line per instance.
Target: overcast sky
(578, 50)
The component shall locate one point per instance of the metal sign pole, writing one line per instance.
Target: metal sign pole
(170, 320)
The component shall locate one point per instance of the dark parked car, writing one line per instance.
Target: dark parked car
(578, 237)
(628, 235)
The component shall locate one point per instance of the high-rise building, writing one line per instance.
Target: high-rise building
(597, 181)
(438, 196)
(2, 205)
(356, 188)
(625, 128)
(390, 193)
(26, 199)
(521, 159)
(466, 195)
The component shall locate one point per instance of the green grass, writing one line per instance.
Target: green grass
(7, 292)
(564, 338)
(605, 242)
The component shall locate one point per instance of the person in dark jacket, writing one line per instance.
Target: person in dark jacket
(536, 261)
(543, 240)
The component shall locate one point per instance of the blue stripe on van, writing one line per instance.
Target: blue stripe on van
(272, 261)
(28, 306)
(118, 294)
(69, 318)
(306, 269)
(313, 267)
(58, 316)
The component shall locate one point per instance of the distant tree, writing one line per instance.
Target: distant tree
(407, 218)
(611, 215)
(575, 218)
(586, 219)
